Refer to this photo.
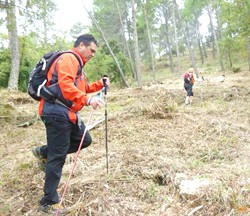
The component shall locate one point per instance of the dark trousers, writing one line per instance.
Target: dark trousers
(63, 137)
(189, 89)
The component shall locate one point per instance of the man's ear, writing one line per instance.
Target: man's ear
(82, 44)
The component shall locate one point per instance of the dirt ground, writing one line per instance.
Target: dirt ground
(152, 137)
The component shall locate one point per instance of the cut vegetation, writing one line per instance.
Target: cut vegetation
(165, 158)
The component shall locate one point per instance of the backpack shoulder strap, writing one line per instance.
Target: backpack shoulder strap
(76, 55)
(79, 60)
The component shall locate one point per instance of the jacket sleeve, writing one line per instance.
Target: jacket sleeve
(67, 69)
(93, 87)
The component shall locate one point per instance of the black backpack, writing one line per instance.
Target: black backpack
(38, 76)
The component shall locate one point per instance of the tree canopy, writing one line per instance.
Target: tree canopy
(133, 35)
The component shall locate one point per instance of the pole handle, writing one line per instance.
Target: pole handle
(105, 84)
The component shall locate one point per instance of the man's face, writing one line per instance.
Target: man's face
(88, 51)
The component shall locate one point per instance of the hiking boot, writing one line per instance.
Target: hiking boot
(53, 208)
(41, 159)
(49, 208)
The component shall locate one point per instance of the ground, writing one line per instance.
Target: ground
(152, 137)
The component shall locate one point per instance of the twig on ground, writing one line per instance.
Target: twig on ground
(195, 210)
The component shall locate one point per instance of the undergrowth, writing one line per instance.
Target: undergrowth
(152, 137)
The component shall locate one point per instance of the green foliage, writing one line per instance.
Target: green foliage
(142, 38)
(229, 46)
(148, 9)
(149, 192)
(29, 56)
(235, 16)
(4, 68)
(182, 48)
(232, 16)
(25, 69)
(77, 29)
(105, 12)
(103, 64)
(192, 9)
(113, 45)
(39, 18)
(236, 69)
(59, 44)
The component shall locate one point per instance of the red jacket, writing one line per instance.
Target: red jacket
(189, 78)
(68, 87)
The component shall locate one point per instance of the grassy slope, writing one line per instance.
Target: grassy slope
(152, 136)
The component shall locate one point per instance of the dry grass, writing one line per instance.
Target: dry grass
(152, 136)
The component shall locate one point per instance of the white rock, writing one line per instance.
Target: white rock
(179, 177)
(221, 78)
(194, 187)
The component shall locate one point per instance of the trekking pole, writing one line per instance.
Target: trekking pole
(75, 160)
(106, 123)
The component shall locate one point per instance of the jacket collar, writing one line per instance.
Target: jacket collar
(83, 59)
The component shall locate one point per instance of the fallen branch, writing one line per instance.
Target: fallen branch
(26, 124)
(95, 124)
(195, 210)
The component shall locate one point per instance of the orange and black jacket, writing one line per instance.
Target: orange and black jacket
(68, 86)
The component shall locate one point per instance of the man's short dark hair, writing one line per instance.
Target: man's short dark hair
(86, 39)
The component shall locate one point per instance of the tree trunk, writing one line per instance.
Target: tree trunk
(191, 52)
(186, 36)
(212, 29)
(220, 35)
(200, 50)
(107, 44)
(14, 46)
(198, 35)
(218, 22)
(151, 50)
(176, 41)
(248, 49)
(230, 59)
(216, 42)
(204, 49)
(125, 40)
(169, 47)
(45, 34)
(137, 55)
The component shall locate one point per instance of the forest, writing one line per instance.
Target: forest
(164, 158)
(134, 36)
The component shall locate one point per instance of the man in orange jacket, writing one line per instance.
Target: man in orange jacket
(64, 127)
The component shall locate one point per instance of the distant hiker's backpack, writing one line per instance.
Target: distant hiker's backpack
(38, 76)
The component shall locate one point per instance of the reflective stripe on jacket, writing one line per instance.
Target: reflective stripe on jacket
(68, 87)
